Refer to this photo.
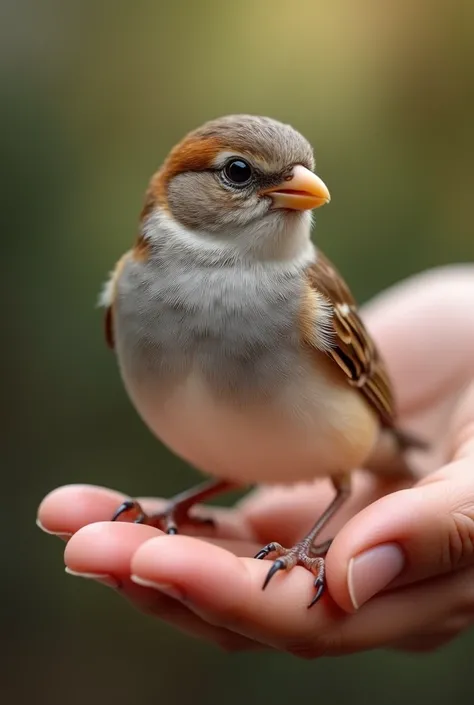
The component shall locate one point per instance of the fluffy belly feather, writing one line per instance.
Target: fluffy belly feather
(302, 433)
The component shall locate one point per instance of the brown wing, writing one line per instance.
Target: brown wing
(108, 298)
(109, 327)
(353, 349)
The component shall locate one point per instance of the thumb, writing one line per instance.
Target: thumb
(412, 534)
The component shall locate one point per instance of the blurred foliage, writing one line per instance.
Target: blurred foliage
(93, 96)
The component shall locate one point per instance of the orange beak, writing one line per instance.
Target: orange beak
(302, 192)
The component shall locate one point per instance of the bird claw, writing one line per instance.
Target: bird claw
(167, 520)
(260, 555)
(319, 586)
(278, 565)
(300, 554)
(266, 550)
(128, 506)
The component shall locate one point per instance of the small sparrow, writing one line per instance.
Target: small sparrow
(238, 342)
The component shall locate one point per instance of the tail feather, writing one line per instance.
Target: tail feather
(389, 456)
(408, 441)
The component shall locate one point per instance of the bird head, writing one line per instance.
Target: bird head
(243, 181)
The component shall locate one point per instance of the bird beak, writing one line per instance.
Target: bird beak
(303, 191)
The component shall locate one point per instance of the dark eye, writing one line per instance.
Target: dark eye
(238, 172)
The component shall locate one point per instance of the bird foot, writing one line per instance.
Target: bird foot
(174, 515)
(310, 557)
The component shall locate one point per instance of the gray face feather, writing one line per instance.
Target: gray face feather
(203, 200)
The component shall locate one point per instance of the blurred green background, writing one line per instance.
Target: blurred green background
(93, 96)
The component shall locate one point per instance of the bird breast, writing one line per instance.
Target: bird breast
(212, 360)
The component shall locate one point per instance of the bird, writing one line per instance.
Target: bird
(239, 343)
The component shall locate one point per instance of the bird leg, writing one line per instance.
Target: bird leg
(304, 553)
(176, 513)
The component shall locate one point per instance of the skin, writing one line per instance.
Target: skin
(215, 586)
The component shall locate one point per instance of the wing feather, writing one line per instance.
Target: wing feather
(353, 348)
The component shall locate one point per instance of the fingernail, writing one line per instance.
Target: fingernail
(372, 571)
(59, 534)
(103, 578)
(165, 588)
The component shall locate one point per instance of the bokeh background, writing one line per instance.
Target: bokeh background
(93, 95)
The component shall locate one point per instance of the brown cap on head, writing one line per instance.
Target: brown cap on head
(271, 143)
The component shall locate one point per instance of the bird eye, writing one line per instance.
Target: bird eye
(238, 172)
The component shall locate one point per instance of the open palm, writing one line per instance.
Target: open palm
(212, 587)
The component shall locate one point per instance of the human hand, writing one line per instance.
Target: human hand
(211, 587)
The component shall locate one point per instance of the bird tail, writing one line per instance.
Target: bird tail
(408, 441)
(389, 456)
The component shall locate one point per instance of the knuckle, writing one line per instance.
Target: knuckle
(460, 536)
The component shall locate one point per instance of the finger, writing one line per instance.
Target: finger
(67, 509)
(200, 573)
(430, 606)
(104, 551)
(227, 591)
(405, 537)
(106, 547)
(411, 534)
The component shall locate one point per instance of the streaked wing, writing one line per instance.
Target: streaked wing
(109, 327)
(353, 350)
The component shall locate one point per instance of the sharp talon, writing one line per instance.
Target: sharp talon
(169, 519)
(266, 550)
(319, 585)
(278, 565)
(261, 554)
(124, 507)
